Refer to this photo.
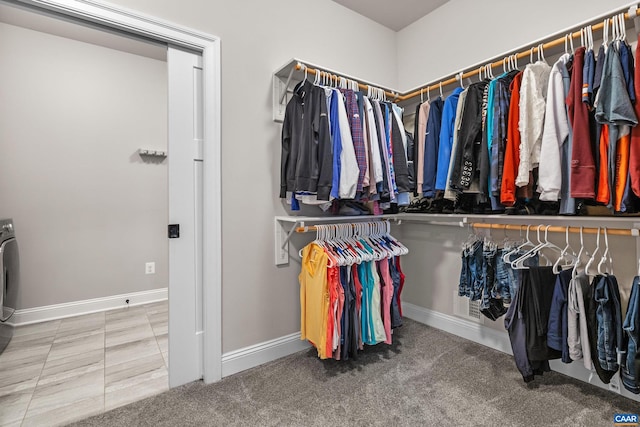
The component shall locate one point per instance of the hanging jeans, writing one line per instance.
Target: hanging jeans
(630, 367)
(488, 278)
(470, 275)
(592, 328)
(502, 289)
(609, 318)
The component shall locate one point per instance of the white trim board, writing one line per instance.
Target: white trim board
(498, 340)
(463, 328)
(259, 354)
(76, 308)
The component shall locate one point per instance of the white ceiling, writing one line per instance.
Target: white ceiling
(395, 14)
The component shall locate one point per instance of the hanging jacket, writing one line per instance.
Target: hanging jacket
(306, 157)
(400, 163)
(446, 138)
(469, 139)
(533, 94)
(421, 134)
(555, 134)
(582, 162)
(355, 124)
(449, 194)
(512, 148)
(432, 138)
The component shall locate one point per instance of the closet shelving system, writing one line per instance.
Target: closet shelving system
(286, 226)
(295, 70)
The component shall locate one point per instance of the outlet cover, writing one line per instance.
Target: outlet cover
(150, 268)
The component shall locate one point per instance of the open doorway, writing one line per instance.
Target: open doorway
(91, 194)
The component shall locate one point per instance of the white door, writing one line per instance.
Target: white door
(185, 210)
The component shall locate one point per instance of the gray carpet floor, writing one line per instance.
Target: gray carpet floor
(426, 378)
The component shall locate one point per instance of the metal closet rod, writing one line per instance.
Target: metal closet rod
(558, 229)
(456, 79)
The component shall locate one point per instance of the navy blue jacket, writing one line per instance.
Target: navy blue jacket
(431, 144)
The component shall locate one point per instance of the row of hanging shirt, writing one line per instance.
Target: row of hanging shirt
(568, 309)
(350, 286)
(564, 130)
(338, 143)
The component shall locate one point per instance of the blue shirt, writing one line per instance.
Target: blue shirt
(337, 143)
(446, 138)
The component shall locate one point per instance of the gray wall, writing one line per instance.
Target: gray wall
(259, 300)
(462, 33)
(88, 212)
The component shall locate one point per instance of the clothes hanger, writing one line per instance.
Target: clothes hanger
(519, 263)
(593, 256)
(531, 55)
(574, 272)
(565, 259)
(605, 259)
(541, 53)
(441, 95)
(460, 79)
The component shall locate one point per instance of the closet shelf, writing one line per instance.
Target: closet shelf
(285, 226)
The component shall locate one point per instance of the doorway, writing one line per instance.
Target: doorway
(198, 314)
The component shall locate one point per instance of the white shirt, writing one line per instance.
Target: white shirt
(533, 92)
(349, 170)
(554, 134)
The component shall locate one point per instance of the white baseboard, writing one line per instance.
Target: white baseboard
(463, 328)
(500, 341)
(75, 308)
(258, 354)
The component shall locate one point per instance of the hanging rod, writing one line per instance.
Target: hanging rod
(312, 228)
(336, 77)
(558, 229)
(458, 77)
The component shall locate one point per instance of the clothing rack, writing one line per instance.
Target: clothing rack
(632, 13)
(634, 232)
(313, 228)
(337, 78)
(597, 25)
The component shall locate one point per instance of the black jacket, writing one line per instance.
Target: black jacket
(307, 155)
(466, 165)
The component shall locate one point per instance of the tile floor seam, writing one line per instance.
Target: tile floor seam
(24, 417)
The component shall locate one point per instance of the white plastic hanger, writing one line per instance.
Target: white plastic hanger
(593, 256)
(576, 267)
(606, 261)
(567, 257)
(441, 95)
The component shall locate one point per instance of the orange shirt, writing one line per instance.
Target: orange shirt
(314, 297)
(604, 192)
(622, 165)
(512, 149)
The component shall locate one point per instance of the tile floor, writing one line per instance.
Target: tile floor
(56, 372)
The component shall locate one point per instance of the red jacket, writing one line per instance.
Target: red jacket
(583, 168)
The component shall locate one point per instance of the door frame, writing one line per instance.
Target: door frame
(132, 22)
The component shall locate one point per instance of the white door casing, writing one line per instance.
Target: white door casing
(198, 316)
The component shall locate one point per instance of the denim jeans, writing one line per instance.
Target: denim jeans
(488, 274)
(470, 274)
(503, 285)
(630, 369)
(609, 319)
